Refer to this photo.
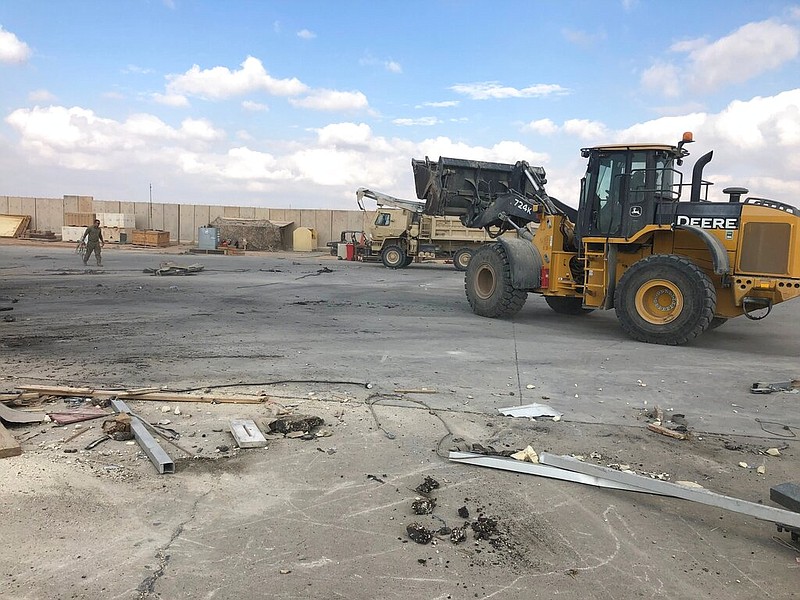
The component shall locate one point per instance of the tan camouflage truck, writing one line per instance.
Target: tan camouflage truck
(401, 234)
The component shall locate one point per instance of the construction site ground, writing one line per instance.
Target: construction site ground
(326, 517)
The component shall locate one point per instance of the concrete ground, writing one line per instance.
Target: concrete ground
(326, 518)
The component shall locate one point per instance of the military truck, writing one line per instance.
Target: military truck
(401, 234)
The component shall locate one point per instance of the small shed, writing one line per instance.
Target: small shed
(252, 234)
(304, 239)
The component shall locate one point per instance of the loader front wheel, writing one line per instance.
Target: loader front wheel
(665, 299)
(567, 305)
(393, 257)
(488, 283)
(461, 259)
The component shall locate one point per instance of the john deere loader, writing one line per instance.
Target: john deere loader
(670, 268)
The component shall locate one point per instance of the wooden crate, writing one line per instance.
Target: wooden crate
(149, 237)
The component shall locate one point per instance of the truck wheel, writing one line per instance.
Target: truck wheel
(393, 257)
(461, 258)
(665, 299)
(567, 305)
(488, 283)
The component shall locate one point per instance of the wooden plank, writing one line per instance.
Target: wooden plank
(247, 434)
(62, 391)
(9, 446)
(678, 435)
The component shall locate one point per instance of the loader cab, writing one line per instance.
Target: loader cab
(623, 185)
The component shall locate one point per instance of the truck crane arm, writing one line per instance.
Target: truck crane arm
(386, 200)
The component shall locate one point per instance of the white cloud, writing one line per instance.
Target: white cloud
(220, 82)
(663, 78)
(756, 143)
(41, 95)
(136, 70)
(77, 138)
(583, 129)
(751, 50)
(332, 100)
(390, 65)
(12, 49)
(542, 127)
(493, 90)
(422, 121)
(176, 100)
(251, 106)
(442, 104)
(305, 34)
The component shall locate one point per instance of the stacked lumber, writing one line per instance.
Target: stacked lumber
(13, 226)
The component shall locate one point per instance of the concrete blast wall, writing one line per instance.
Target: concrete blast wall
(183, 220)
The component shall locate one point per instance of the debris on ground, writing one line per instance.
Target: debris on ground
(170, 268)
(674, 427)
(427, 486)
(458, 535)
(419, 533)
(290, 424)
(532, 411)
(463, 512)
(376, 478)
(118, 428)
(246, 434)
(423, 506)
(762, 387)
(528, 454)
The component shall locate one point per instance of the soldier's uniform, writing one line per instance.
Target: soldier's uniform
(93, 236)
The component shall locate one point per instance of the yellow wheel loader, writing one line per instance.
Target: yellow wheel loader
(671, 269)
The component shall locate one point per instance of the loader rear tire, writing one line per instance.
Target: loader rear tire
(461, 258)
(665, 299)
(393, 257)
(408, 261)
(717, 322)
(567, 305)
(488, 283)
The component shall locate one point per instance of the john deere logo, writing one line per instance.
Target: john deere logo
(636, 211)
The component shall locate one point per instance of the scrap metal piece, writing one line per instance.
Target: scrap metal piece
(534, 410)
(10, 415)
(665, 488)
(510, 464)
(763, 387)
(151, 447)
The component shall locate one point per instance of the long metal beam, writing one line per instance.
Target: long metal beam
(665, 488)
(151, 447)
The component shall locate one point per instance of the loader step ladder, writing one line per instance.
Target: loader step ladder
(594, 275)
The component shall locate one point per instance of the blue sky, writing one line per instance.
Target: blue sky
(298, 103)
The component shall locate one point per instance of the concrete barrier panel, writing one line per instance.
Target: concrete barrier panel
(188, 231)
(70, 204)
(141, 212)
(4, 205)
(202, 216)
(16, 206)
(49, 214)
(171, 221)
(232, 211)
(214, 212)
(247, 212)
(262, 213)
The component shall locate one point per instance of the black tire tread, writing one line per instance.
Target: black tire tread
(651, 266)
(510, 300)
(567, 305)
